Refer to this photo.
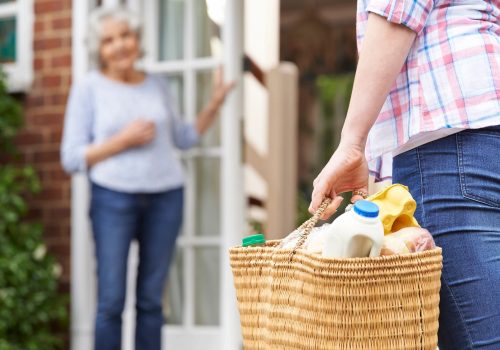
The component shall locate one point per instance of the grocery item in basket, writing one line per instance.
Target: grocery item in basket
(407, 240)
(397, 208)
(356, 233)
(314, 242)
(254, 240)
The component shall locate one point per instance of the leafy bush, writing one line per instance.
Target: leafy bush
(30, 306)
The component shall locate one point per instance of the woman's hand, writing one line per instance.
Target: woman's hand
(220, 89)
(137, 133)
(347, 170)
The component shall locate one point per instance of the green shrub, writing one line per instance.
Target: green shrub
(30, 306)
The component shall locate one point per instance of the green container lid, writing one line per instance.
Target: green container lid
(254, 240)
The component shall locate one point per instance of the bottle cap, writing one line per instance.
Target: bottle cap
(366, 208)
(254, 239)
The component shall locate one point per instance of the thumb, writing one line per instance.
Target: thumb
(359, 193)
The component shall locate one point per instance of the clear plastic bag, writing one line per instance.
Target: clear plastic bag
(314, 242)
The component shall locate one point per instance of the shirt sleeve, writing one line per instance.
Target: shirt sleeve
(184, 134)
(410, 13)
(77, 133)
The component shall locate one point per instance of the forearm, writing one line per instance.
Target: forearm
(96, 153)
(385, 49)
(206, 117)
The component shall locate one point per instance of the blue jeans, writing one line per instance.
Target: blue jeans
(154, 219)
(456, 183)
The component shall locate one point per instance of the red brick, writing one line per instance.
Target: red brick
(34, 101)
(58, 175)
(58, 247)
(38, 63)
(59, 213)
(48, 6)
(26, 138)
(53, 135)
(56, 99)
(34, 214)
(62, 23)
(47, 44)
(51, 81)
(39, 27)
(47, 119)
(48, 195)
(46, 156)
(61, 61)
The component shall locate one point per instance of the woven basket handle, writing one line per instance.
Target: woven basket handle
(308, 225)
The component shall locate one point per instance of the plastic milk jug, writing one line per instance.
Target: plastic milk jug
(356, 233)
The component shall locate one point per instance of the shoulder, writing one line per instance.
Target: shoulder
(158, 81)
(85, 85)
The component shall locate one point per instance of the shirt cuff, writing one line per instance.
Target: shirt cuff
(192, 134)
(82, 161)
(410, 13)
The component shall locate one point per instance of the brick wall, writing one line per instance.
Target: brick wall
(44, 107)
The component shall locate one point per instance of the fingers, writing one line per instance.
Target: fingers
(229, 87)
(332, 208)
(218, 77)
(359, 193)
(144, 131)
(149, 134)
(319, 193)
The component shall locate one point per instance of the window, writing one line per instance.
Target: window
(16, 26)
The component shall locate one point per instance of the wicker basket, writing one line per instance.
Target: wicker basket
(293, 299)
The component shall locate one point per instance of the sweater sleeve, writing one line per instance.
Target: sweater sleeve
(184, 134)
(410, 13)
(78, 125)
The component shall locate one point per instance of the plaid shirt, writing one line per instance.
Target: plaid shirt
(451, 78)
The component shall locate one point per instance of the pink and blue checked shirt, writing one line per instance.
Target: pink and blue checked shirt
(451, 78)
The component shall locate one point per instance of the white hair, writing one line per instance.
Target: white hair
(100, 14)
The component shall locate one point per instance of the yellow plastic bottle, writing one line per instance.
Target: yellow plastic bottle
(397, 208)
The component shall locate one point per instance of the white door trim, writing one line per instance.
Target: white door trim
(82, 265)
(232, 169)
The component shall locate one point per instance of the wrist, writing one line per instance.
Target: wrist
(215, 103)
(353, 139)
(120, 143)
(212, 108)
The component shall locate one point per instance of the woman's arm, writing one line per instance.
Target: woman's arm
(220, 90)
(385, 48)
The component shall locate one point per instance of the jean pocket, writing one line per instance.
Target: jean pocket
(479, 165)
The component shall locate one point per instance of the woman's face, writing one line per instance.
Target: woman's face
(119, 45)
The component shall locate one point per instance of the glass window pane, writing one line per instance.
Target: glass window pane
(171, 36)
(173, 298)
(207, 196)
(207, 32)
(207, 279)
(8, 40)
(204, 80)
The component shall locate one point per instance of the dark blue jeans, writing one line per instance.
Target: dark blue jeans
(118, 218)
(456, 183)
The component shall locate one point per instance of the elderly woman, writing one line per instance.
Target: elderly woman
(121, 128)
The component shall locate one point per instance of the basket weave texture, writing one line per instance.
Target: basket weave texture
(293, 299)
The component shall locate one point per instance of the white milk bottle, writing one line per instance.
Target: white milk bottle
(356, 233)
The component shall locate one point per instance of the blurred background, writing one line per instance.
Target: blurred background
(294, 62)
